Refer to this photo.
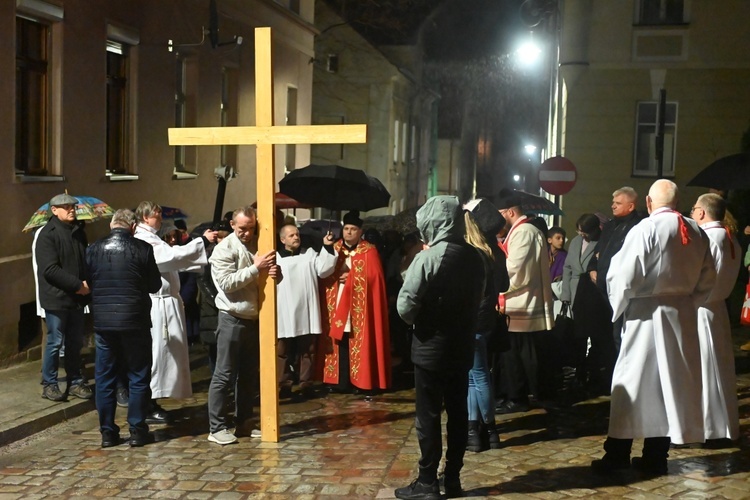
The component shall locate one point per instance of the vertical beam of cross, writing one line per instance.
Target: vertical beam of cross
(264, 135)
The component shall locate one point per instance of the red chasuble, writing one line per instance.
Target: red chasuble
(364, 297)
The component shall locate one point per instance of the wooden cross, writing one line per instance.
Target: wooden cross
(264, 135)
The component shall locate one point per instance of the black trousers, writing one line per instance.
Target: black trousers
(529, 366)
(654, 449)
(433, 389)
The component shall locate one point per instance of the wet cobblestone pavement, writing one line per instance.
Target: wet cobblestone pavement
(343, 446)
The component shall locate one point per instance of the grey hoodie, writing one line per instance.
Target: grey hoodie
(442, 288)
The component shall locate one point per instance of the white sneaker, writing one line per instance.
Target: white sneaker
(255, 433)
(222, 437)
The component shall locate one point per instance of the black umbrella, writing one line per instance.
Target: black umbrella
(729, 172)
(335, 187)
(531, 203)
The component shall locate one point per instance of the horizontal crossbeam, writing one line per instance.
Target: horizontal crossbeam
(292, 134)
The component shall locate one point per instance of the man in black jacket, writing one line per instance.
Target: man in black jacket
(624, 201)
(442, 290)
(122, 272)
(63, 293)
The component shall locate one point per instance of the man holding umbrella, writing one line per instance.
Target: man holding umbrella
(356, 315)
(63, 293)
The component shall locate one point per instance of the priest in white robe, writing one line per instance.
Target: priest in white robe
(720, 412)
(298, 303)
(657, 281)
(170, 365)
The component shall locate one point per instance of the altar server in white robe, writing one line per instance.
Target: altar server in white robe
(170, 366)
(657, 281)
(720, 413)
(298, 303)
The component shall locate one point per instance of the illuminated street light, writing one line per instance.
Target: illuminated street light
(529, 52)
(530, 149)
(516, 177)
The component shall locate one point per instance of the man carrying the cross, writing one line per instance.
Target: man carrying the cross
(236, 266)
(356, 315)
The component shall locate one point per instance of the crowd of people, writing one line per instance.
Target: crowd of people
(467, 302)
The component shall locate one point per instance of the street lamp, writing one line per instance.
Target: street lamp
(516, 177)
(529, 52)
(530, 150)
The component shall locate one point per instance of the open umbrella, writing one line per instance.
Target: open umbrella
(335, 187)
(728, 172)
(531, 203)
(172, 213)
(88, 208)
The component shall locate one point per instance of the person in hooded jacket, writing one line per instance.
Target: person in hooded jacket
(483, 222)
(440, 296)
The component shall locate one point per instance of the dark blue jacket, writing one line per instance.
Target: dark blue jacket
(61, 268)
(122, 272)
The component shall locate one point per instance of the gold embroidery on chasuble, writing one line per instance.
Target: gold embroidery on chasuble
(331, 364)
(358, 315)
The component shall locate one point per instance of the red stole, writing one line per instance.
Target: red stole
(364, 300)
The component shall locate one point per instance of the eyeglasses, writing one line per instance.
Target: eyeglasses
(694, 209)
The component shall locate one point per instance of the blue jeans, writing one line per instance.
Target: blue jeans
(118, 352)
(480, 400)
(63, 326)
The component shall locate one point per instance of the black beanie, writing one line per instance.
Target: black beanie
(353, 218)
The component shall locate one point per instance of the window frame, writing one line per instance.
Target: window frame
(123, 42)
(668, 169)
(50, 17)
(644, 6)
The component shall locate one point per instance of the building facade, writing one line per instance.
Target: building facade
(99, 82)
(355, 82)
(617, 60)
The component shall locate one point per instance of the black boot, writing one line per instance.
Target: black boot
(474, 443)
(492, 437)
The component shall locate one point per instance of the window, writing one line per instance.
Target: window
(661, 12)
(291, 119)
(120, 118)
(229, 112)
(117, 108)
(396, 132)
(32, 98)
(180, 110)
(645, 162)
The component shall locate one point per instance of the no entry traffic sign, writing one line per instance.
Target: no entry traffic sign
(557, 175)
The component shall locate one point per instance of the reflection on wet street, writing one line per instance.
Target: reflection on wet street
(345, 446)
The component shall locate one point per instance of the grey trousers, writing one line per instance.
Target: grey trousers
(237, 360)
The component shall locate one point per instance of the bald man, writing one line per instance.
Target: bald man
(663, 273)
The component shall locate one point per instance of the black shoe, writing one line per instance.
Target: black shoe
(122, 397)
(53, 393)
(307, 391)
(511, 407)
(159, 416)
(285, 392)
(493, 440)
(453, 488)
(139, 438)
(110, 439)
(650, 467)
(605, 466)
(419, 491)
(474, 441)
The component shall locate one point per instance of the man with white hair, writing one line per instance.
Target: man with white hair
(624, 218)
(662, 274)
(720, 413)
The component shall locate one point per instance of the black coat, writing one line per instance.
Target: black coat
(610, 242)
(497, 281)
(61, 267)
(122, 272)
